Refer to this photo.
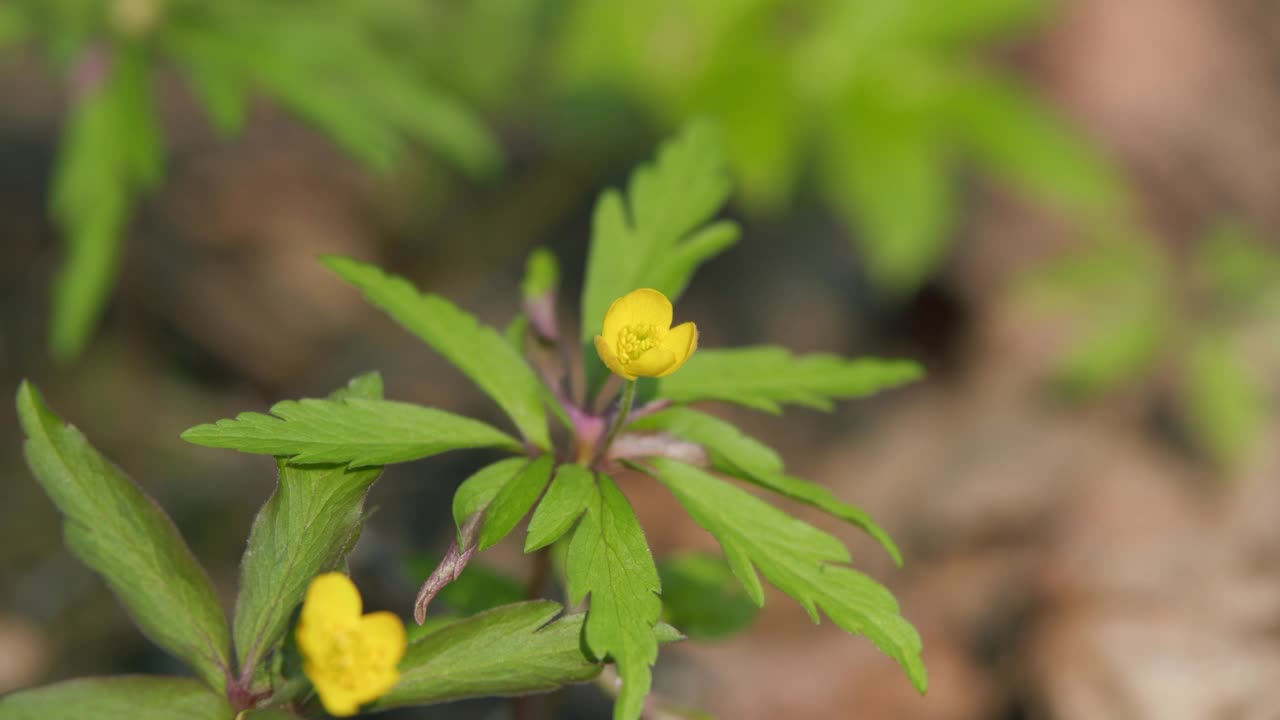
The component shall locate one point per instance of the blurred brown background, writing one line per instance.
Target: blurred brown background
(1072, 558)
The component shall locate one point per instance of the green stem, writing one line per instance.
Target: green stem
(628, 398)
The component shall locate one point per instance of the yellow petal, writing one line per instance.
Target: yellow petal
(610, 358)
(337, 701)
(680, 342)
(332, 599)
(653, 363)
(638, 307)
(384, 639)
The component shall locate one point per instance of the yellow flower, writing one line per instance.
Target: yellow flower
(350, 658)
(638, 339)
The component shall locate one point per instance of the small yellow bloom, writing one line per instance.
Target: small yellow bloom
(350, 658)
(638, 340)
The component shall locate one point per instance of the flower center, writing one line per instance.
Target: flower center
(350, 662)
(636, 340)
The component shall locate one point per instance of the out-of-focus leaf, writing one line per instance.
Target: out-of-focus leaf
(124, 536)
(477, 350)
(13, 25)
(121, 697)
(1226, 407)
(609, 561)
(701, 597)
(738, 454)
(1023, 141)
(112, 149)
(887, 171)
(541, 274)
(1239, 269)
(356, 432)
(801, 560)
(765, 377)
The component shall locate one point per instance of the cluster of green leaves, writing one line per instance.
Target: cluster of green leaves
(1205, 321)
(880, 101)
(326, 62)
(330, 451)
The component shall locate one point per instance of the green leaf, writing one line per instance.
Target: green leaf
(476, 492)
(111, 150)
(738, 454)
(367, 386)
(306, 528)
(701, 597)
(13, 25)
(356, 431)
(477, 350)
(1227, 409)
(765, 377)
(609, 560)
(511, 650)
(799, 559)
(123, 535)
(541, 274)
(657, 237)
(887, 170)
(571, 493)
(514, 500)
(122, 697)
(1025, 142)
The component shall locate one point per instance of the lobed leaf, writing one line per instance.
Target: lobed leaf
(358, 432)
(609, 560)
(124, 536)
(477, 350)
(765, 377)
(510, 650)
(657, 236)
(514, 500)
(121, 697)
(572, 491)
(799, 559)
(740, 455)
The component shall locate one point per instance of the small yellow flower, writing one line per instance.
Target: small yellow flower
(350, 658)
(638, 340)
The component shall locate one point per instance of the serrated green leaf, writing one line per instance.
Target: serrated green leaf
(477, 350)
(1226, 406)
(123, 535)
(307, 527)
(121, 697)
(701, 597)
(511, 650)
(609, 560)
(357, 432)
(476, 492)
(571, 493)
(738, 454)
(657, 237)
(799, 559)
(765, 377)
(514, 501)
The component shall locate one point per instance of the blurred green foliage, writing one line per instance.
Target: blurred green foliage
(1203, 322)
(337, 64)
(882, 102)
